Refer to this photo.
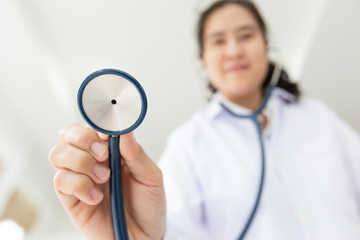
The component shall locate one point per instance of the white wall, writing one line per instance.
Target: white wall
(48, 47)
(332, 70)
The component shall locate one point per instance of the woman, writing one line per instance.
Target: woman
(212, 164)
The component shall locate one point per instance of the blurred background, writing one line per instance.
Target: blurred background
(47, 48)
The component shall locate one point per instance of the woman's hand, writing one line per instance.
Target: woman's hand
(82, 184)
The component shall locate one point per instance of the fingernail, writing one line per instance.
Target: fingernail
(101, 171)
(99, 148)
(96, 194)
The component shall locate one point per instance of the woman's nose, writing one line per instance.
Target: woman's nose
(234, 49)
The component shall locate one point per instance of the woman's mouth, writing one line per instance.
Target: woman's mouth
(237, 68)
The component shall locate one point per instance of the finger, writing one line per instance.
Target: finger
(86, 139)
(65, 156)
(80, 186)
(138, 162)
(103, 136)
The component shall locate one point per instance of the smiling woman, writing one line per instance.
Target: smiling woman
(211, 168)
(235, 55)
(233, 43)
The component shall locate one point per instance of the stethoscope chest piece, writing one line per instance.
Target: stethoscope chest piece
(112, 101)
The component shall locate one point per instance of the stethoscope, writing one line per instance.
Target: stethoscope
(114, 103)
(254, 116)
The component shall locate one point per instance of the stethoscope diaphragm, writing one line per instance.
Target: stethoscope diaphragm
(112, 101)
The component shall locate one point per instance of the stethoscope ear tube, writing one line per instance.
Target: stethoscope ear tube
(116, 196)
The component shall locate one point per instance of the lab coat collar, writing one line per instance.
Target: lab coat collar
(214, 109)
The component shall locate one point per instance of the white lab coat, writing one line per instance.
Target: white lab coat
(211, 169)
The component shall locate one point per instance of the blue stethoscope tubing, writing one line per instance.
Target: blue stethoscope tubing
(254, 118)
(116, 196)
(116, 193)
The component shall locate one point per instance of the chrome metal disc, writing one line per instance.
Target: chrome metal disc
(112, 101)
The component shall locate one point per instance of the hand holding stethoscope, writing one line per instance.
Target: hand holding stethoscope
(86, 197)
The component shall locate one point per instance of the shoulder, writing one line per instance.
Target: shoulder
(312, 109)
(180, 145)
(188, 130)
(316, 116)
(302, 107)
(311, 105)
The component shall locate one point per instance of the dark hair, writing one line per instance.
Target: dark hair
(284, 81)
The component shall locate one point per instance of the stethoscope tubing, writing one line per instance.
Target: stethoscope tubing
(261, 183)
(254, 118)
(116, 196)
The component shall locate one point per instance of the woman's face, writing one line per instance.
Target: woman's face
(235, 55)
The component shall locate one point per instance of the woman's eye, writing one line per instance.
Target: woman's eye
(219, 42)
(245, 36)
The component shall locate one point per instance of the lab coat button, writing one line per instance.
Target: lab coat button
(277, 155)
(305, 218)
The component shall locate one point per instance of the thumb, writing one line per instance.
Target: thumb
(142, 168)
